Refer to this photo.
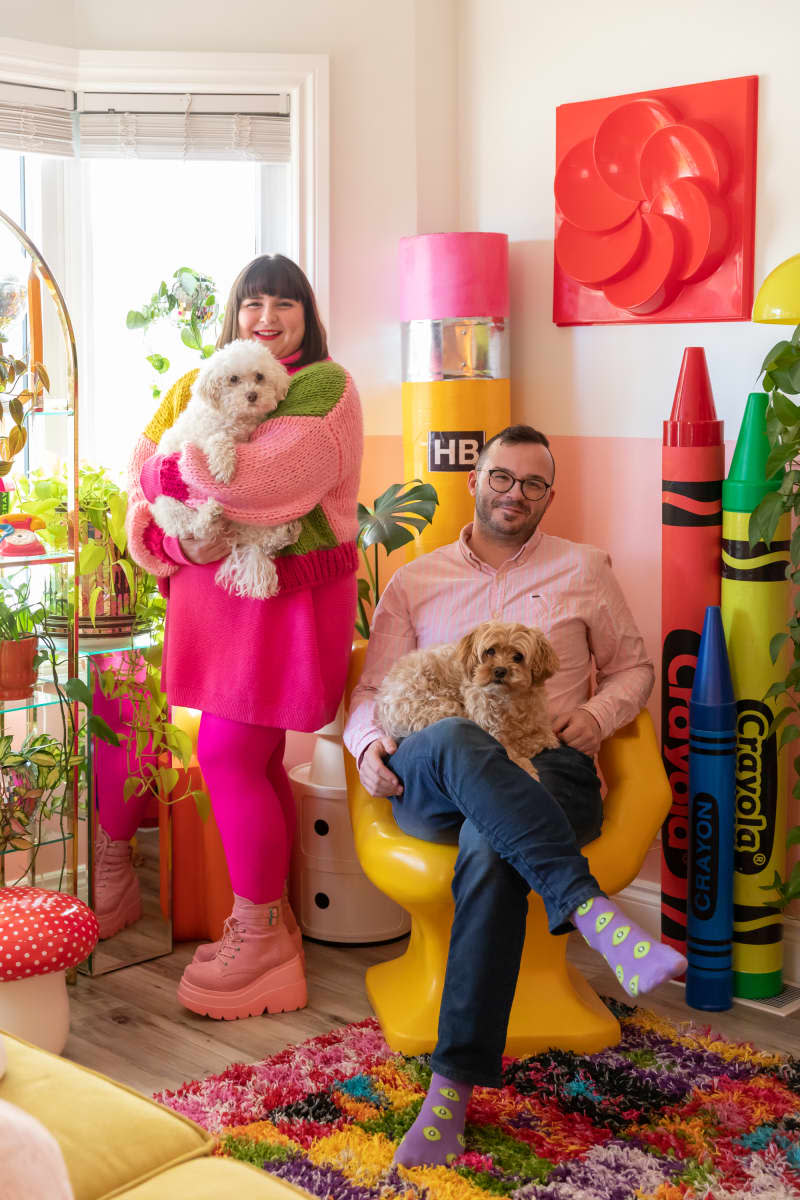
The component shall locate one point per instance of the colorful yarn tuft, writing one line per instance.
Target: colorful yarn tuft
(671, 1113)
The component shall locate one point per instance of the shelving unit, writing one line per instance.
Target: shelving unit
(45, 696)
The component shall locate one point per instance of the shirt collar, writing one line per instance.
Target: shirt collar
(517, 560)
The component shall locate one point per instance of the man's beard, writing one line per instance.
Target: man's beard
(489, 518)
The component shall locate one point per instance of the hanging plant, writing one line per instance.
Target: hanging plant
(12, 371)
(189, 301)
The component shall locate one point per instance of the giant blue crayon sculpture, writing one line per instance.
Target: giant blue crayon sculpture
(712, 815)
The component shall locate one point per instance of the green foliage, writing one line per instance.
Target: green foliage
(12, 372)
(395, 519)
(189, 303)
(781, 371)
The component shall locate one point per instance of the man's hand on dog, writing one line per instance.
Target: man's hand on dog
(376, 777)
(579, 730)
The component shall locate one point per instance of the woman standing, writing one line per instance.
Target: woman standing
(256, 668)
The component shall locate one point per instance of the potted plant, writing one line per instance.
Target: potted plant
(110, 584)
(19, 618)
(781, 371)
(395, 518)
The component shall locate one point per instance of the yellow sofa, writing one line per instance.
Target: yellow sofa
(117, 1143)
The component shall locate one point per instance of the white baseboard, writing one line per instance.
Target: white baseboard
(642, 899)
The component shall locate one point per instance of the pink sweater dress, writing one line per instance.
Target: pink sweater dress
(280, 662)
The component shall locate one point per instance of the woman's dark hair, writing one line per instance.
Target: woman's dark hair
(276, 275)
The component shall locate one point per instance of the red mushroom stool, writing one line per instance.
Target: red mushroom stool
(41, 934)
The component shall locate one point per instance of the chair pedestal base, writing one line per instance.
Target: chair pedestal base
(554, 1007)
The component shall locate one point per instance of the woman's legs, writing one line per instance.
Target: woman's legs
(235, 759)
(256, 965)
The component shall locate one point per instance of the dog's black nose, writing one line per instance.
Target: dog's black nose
(251, 397)
(500, 672)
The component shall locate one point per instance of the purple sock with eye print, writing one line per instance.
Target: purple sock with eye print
(639, 962)
(437, 1136)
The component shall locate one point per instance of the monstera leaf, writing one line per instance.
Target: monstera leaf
(402, 509)
(395, 519)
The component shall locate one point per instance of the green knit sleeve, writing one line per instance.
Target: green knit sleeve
(314, 391)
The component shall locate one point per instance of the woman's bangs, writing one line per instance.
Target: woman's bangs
(269, 277)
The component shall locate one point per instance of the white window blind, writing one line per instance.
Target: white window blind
(35, 119)
(171, 125)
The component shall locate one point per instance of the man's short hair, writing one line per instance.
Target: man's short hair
(515, 435)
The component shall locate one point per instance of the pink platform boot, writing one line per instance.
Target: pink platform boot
(256, 969)
(208, 950)
(117, 899)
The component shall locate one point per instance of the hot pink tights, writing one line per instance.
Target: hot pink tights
(252, 800)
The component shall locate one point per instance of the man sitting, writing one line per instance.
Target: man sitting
(454, 783)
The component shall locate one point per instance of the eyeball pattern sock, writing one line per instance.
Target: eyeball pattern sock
(437, 1136)
(639, 962)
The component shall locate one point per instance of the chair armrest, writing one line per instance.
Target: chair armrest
(637, 801)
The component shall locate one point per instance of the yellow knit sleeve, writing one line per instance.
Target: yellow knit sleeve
(171, 406)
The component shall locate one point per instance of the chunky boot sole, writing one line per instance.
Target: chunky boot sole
(208, 950)
(281, 989)
(127, 910)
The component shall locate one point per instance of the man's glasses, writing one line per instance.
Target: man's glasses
(503, 481)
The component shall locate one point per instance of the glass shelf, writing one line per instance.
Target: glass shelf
(52, 410)
(39, 699)
(9, 562)
(51, 837)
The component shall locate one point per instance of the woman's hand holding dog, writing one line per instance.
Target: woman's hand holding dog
(375, 776)
(579, 730)
(205, 549)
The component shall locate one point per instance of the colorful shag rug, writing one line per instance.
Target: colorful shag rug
(672, 1112)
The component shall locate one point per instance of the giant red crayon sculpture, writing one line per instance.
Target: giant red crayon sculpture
(693, 467)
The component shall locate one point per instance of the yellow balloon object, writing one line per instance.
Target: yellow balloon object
(554, 1006)
(778, 299)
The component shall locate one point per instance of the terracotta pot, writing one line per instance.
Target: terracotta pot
(17, 672)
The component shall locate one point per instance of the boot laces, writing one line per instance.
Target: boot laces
(232, 938)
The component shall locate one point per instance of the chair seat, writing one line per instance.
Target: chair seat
(554, 1006)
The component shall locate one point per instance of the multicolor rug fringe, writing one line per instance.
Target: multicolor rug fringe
(673, 1112)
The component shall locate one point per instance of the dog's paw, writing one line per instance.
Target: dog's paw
(220, 454)
(175, 518)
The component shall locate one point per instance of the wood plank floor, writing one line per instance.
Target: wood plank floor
(129, 1025)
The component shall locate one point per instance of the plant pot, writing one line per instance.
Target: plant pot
(17, 672)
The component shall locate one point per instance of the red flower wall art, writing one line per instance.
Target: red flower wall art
(655, 205)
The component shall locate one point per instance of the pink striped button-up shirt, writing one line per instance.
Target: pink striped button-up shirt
(565, 589)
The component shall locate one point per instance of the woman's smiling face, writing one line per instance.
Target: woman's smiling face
(277, 323)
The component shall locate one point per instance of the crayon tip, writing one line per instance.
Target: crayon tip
(693, 419)
(747, 482)
(712, 677)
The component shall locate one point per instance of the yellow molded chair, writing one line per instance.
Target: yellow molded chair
(554, 1006)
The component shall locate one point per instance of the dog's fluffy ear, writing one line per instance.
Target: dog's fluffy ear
(208, 385)
(544, 660)
(466, 653)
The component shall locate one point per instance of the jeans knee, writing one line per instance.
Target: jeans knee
(479, 863)
(455, 732)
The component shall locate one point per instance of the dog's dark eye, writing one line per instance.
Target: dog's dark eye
(259, 377)
(517, 658)
(233, 379)
(490, 653)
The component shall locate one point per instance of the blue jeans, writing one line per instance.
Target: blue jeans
(513, 835)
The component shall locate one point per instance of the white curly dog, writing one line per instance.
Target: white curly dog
(234, 392)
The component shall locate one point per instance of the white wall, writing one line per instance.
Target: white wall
(517, 61)
(392, 173)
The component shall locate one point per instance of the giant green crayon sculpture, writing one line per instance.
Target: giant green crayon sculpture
(755, 603)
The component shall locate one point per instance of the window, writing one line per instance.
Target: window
(194, 164)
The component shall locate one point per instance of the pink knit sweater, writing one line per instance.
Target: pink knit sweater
(279, 662)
